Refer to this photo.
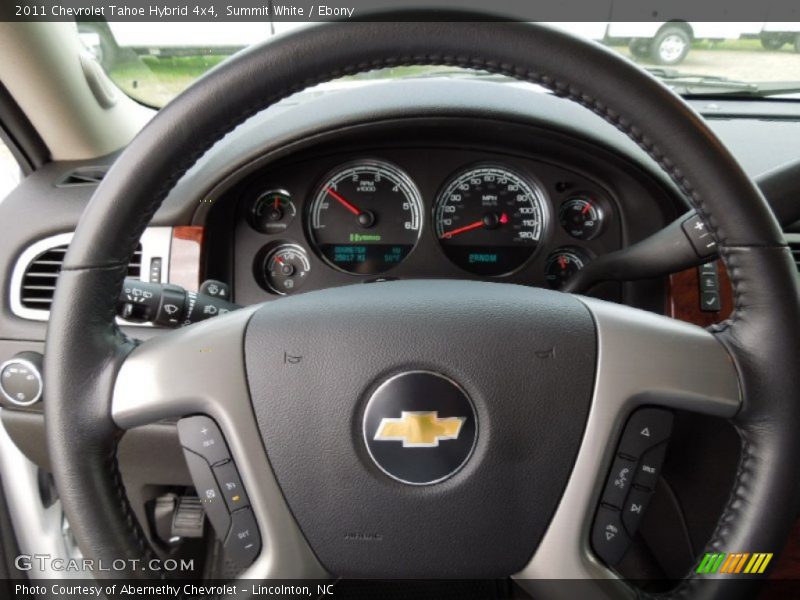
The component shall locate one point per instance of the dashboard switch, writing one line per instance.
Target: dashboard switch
(244, 541)
(609, 539)
(202, 436)
(215, 289)
(21, 380)
(168, 305)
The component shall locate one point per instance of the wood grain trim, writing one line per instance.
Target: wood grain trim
(683, 301)
(185, 256)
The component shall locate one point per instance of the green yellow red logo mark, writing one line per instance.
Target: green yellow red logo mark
(734, 563)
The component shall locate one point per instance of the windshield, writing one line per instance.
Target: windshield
(153, 62)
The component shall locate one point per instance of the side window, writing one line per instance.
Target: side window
(10, 173)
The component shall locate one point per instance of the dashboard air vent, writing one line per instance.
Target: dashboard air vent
(794, 246)
(39, 280)
(83, 176)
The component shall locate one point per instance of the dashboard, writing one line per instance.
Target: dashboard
(422, 212)
(431, 199)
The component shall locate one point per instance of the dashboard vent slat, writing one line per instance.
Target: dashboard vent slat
(83, 176)
(794, 246)
(39, 280)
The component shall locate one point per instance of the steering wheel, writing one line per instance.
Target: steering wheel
(540, 382)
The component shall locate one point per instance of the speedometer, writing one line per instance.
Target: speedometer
(489, 219)
(365, 217)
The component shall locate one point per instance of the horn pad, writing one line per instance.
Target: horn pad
(363, 397)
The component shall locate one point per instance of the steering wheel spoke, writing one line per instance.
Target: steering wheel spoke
(199, 370)
(643, 360)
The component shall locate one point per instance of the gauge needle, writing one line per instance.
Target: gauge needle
(476, 225)
(586, 209)
(562, 260)
(343, 202)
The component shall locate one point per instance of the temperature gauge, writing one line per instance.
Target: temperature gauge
(272, 211)
(286, 269)
(563, 264)
(581, 217)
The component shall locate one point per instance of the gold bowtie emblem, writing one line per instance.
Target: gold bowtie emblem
(419, 429)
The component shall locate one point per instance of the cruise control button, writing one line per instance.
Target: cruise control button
(202, 436)
(701, 239)
(709, 268)
(710, 302)
(619, 481)
(649, 469)
(231, 485)
(646, 428)
(709, 283)
(209, 493)
(244, 541)
(609, 539)
(634, 509)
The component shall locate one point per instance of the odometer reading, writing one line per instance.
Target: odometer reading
(489, 220)
(365, 217)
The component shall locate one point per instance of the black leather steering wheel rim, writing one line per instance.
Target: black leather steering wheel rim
(85, 347)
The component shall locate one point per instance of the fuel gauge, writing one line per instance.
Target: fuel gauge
(286, 268)
(272, 211)
(563, 264)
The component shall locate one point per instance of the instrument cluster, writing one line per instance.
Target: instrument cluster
(409, 214)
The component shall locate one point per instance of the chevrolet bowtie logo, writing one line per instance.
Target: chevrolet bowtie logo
(419, 429)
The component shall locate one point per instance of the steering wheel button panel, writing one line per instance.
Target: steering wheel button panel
(634, 509)
(649, 469)
(231, 486)
(209, 493)
(619, 481)
(647, 427)
(202, 436)
(243, 542)
(609, 539)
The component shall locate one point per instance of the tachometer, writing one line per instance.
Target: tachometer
(365, 217)
(490, 219)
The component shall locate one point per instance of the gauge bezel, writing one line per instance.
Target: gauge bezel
(539, 193)
(599, 205)
(584, 253)
(412, 195)
(269, 252)
(251, 218)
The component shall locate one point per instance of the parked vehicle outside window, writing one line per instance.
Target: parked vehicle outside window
(153, 62)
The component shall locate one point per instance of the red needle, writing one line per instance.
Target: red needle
(586, 208)
(343, 202)
(279, 260)
(562, 260)
(277, 200)
(476, 225)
